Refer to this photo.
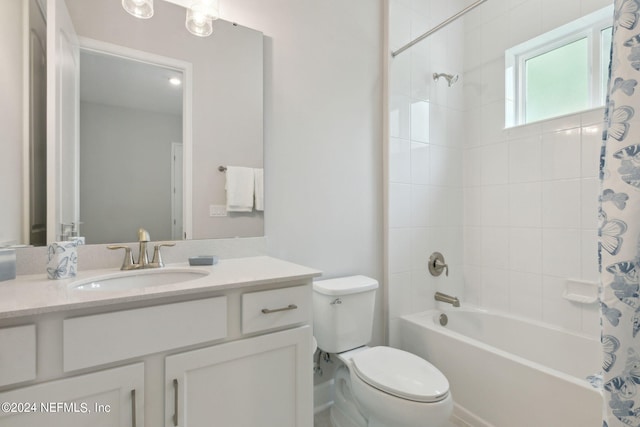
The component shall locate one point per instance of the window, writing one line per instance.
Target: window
(560, 72)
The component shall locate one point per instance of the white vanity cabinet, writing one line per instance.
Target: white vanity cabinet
(233, 350)
(109, 398)
(259, 381)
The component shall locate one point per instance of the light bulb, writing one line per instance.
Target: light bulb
(200, 17)
(139, 8)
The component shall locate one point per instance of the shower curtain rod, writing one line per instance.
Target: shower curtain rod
(437, 27)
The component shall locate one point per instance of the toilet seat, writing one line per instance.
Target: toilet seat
(401, 374)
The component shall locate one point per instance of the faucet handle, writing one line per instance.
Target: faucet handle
(157, 257)
(127, 264)
(437, 264)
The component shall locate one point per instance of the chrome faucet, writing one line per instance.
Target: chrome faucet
(143, 257)
(454, 301)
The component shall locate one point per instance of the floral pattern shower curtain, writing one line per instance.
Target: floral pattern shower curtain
(619, 250)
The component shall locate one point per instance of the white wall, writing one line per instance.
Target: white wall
(11, 70)
(425, 157)
(323, 132)
(531, 192)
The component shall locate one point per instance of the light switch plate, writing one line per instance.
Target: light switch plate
(217, 210)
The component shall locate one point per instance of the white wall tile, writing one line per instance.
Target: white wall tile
(472, 167)
(590, 150)
(495, 289)
(525, 250)
(495, 247)
(495, 164)
(557, 310)
(473, 206)
(525, 204)
(525, 21)
(557, 13)
(399, 160)
(420, 121)
(400, 294)
(589, 256)
(400, 116)
(591, 320)
(421, 205)
(493, 122)
(420, 163)
(421, 246)
(495, 205)
(445, 166)
(561, 203)
(561, 253)
(445, 207)
(400, 75)
(473, 246)
(561, 154)
(399, 250)
(525, 159)
(472, 284)
(590, 203)
(423, 287)
(399, 205)
(493, 85)
(525, 294)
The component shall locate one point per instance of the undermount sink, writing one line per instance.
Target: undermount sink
(136, 279)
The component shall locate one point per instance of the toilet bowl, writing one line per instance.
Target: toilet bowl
(376, 386)
(387, 387)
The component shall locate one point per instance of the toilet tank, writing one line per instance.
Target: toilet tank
(343, 312)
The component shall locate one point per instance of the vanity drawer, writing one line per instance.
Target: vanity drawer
(109, 337)
(276, 308)
(17, 354)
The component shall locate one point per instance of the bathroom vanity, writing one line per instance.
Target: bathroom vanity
(230, 347)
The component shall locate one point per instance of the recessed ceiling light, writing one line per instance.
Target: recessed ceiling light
(175, 81)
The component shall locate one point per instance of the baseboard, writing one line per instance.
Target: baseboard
(322, 396)
(461, 417)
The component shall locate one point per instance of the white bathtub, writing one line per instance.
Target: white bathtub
(509, 372)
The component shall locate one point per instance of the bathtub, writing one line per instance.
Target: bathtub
(505, 371)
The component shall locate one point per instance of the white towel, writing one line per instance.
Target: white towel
(259, 188)
(239, 186)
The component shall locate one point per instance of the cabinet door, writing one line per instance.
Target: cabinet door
(110, 398)
(261, 381)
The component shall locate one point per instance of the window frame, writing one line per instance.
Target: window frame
(589, 27)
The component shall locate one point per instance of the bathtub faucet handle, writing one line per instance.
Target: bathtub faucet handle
(437, 264)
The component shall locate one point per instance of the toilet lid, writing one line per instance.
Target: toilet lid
(401, 374)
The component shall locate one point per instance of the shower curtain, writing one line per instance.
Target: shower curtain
(619, 246)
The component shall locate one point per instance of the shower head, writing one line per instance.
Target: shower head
(451, 78)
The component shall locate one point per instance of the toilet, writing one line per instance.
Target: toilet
(376, 386)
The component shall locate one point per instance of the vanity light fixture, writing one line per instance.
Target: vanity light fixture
(200, 17)
(142, 9)
(175, 81)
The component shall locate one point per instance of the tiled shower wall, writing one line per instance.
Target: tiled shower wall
(425, 157)
(531, 192)
(514, 211)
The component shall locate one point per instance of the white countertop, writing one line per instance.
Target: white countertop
(35, 294)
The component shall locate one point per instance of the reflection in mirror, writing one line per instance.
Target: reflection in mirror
(130, 148)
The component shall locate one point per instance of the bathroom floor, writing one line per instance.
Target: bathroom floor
(321, 419)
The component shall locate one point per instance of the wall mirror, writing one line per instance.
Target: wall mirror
(221, 125)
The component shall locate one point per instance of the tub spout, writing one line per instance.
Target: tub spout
(454, 301)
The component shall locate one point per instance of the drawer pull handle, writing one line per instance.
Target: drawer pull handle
(133, 408)
(275, 310)
(175, 402)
